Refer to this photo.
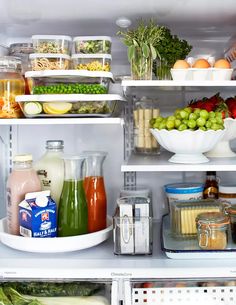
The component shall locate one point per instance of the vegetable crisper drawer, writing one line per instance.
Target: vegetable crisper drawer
(184, 292)
(51, 293)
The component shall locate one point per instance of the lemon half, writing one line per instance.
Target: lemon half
(57, 108)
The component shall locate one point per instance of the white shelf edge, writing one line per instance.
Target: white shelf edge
(64, 121)
(69, 97)
(160, 163)
(171, 83)
(68, 73)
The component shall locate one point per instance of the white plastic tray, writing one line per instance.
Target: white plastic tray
(69, 97)
(56, 244)
(68, 74)
(188, 248)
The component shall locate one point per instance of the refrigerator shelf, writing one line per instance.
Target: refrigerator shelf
(68, 74)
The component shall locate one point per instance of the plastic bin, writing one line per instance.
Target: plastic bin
(40, 62)
(92, 44)
(92, 62)
(59, 44)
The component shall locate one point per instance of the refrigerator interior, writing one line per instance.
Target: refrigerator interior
(210, 28)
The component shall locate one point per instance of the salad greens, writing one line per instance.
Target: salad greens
(49, 289)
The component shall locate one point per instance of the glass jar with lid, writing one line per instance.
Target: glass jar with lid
(212, 229)
(145, 109)
(11, 84)
(231, 211)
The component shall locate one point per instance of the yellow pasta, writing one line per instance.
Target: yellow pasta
(40, 64)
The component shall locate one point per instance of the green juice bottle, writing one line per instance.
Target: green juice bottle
(73, 210)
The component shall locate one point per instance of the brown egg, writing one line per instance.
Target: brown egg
(181, 64)
(201, 64)
(222, 64)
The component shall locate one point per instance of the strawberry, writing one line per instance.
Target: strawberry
(233, 113)
(231, 103)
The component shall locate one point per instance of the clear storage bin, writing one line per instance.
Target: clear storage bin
(144, 142)
(92, 44)
(183, 215)
(59, 44)
(132, 226)
(40, 62)
(92, 62)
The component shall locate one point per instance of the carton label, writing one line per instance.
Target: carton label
(38, 215)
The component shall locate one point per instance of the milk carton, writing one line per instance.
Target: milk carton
(38, 215)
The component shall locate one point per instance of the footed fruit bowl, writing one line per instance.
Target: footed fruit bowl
(188, 145)
(222, 148)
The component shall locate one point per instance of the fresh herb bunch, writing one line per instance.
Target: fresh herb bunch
(144, 37)
(171, 47)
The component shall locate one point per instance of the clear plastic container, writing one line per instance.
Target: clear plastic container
(40, 62)
(212, 228)
(11, 84)
(59, 44)
(144, 142)
(22, 50)
(92, 44)
(92, 62)
(183, 214)
(132, 220)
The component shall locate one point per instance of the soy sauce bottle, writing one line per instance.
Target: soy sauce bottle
(211, 188)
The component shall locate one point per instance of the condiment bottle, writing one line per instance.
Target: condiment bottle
(73, 210)
(11, 84)
(211, 186)
(23, 179)
(50, 169)
(95, 190)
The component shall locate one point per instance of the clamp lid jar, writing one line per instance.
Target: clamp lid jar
(212, 230)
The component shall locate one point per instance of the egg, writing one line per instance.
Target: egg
(201, 64)
(222, 64)
(181, 64)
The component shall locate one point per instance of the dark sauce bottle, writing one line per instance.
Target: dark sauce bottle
(211, 188)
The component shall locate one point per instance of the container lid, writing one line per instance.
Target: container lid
(227, 188)
(137, 191)
(212, 219)
(106, 56)
(183, 188)
(23, 158)
(133, 200)
(94, 153)
(21, 48)
(54, 144)
(10, 64)
(48, 37)
(92, 38)
(49, 55)
(231, 210)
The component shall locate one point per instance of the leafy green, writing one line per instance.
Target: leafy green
(17, 299)
(144, 37)
(55, 289)
(3, 298)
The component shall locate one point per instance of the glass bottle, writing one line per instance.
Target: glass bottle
(11, 84)
(211, 186)
(95, 190)
(23, 179)
(50, 169)
(73, 210)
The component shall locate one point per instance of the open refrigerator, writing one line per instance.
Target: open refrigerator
(130, 280)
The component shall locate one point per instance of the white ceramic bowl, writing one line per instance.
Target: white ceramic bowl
(222, 148)
(221, 74)
(201, 74)
(181, 74)
(188, 145)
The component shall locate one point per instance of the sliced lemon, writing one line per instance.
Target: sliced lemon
(57, 108)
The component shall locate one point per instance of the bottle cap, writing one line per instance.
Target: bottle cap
(54, 144)
(23, 158)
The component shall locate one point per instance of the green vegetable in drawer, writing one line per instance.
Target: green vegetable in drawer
(55, 289)
(70, 89)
